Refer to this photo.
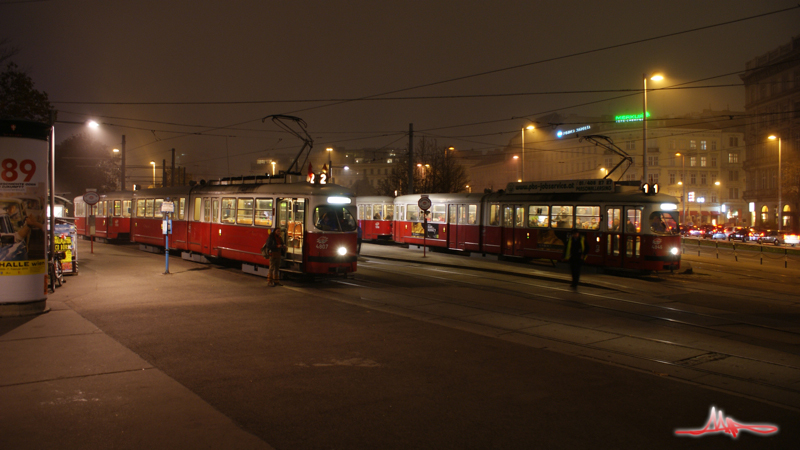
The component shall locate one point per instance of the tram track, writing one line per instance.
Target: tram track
(704, 364)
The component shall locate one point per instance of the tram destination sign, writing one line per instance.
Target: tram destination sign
(561, 186)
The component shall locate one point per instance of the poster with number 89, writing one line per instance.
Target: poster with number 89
(24, 149)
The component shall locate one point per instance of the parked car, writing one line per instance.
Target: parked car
(770, 237)
(686, 230)
(740, 234)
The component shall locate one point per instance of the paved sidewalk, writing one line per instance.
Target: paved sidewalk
(64, 384)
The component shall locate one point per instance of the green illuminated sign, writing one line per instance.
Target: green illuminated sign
(629, 118)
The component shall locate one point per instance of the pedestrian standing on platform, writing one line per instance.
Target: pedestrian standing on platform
(275, 249)
(358, 242)
(575, 253)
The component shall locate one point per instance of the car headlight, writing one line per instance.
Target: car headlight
(674, 250)
(342, 251)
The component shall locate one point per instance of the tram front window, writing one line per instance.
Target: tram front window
(664, 222)
(334, 218)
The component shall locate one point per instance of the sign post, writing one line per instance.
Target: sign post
(166, 228)
(424, 204)
(91, 198)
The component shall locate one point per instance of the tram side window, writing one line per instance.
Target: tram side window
(228, 206)
(613, 220)
(538, 216)
(244, 211)
(561, 216)
(117, 208)
(140, 208)
(401, 212)
(367, 212)
(148, 208)
(519, 216)
(452, 214)
(413, 213)
(215, 210)
(587, 217)
(472, 215)
(157, 207)
(377, 212)
(181, 208)
(264, 212)
(633, 220)
(389, 212)
(494, 214)
(361, 212)
(101, 208)
(198, 205)
(508, 216)
(439, 213)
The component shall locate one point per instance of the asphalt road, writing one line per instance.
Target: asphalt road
(306, 366)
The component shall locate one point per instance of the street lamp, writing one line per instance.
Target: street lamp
(516, 159)
(154, 172)
(654, 77)
(682, 183)
(529, 127)
(273, 168)
(94, 125)
(780, 184)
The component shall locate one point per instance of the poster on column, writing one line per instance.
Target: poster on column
(24, 149)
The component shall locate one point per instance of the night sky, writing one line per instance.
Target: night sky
(199, 76)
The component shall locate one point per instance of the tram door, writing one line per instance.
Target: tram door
(513, 230)
(613, 244)
(452, 226)
(291, 221)
(633, 239)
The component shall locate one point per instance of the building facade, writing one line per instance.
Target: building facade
(772, 88)
(696, 158)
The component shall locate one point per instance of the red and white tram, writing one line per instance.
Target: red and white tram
(232, 220)
(108, 219)
(623, 226)
(376, 217)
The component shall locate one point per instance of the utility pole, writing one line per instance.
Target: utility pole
(122, 165)
(410, 158)
(164, 172)
(172, 170)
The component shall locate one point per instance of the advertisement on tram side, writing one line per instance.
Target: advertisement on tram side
(24, 149)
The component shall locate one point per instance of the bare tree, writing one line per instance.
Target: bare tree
(436, 170)
(7, 51)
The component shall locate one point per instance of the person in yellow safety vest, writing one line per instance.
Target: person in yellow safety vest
(575, 253)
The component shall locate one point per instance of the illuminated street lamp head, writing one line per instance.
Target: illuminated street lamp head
(678, 154)
(153, 163)
(116, 150)
(657, 77)
(772, 137)
(92, 124)
(419, 164)
(717, 183)
(516, 157)
(328, 149)
(530, 127)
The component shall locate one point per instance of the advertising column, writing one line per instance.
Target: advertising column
(24, 150)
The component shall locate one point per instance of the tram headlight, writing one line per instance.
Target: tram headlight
(342, 251)
(674, 250)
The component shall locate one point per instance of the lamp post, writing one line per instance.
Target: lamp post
(719, 201)
(529, 127)
(273, 168)
(683, 183)
(654, 77)
(154, 173)
(780, 183)
(516, 159)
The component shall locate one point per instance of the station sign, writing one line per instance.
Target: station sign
(91, 197)
(424, 203)
(562, 133)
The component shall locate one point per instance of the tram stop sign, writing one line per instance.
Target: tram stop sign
(91, 197)
(424, 203)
